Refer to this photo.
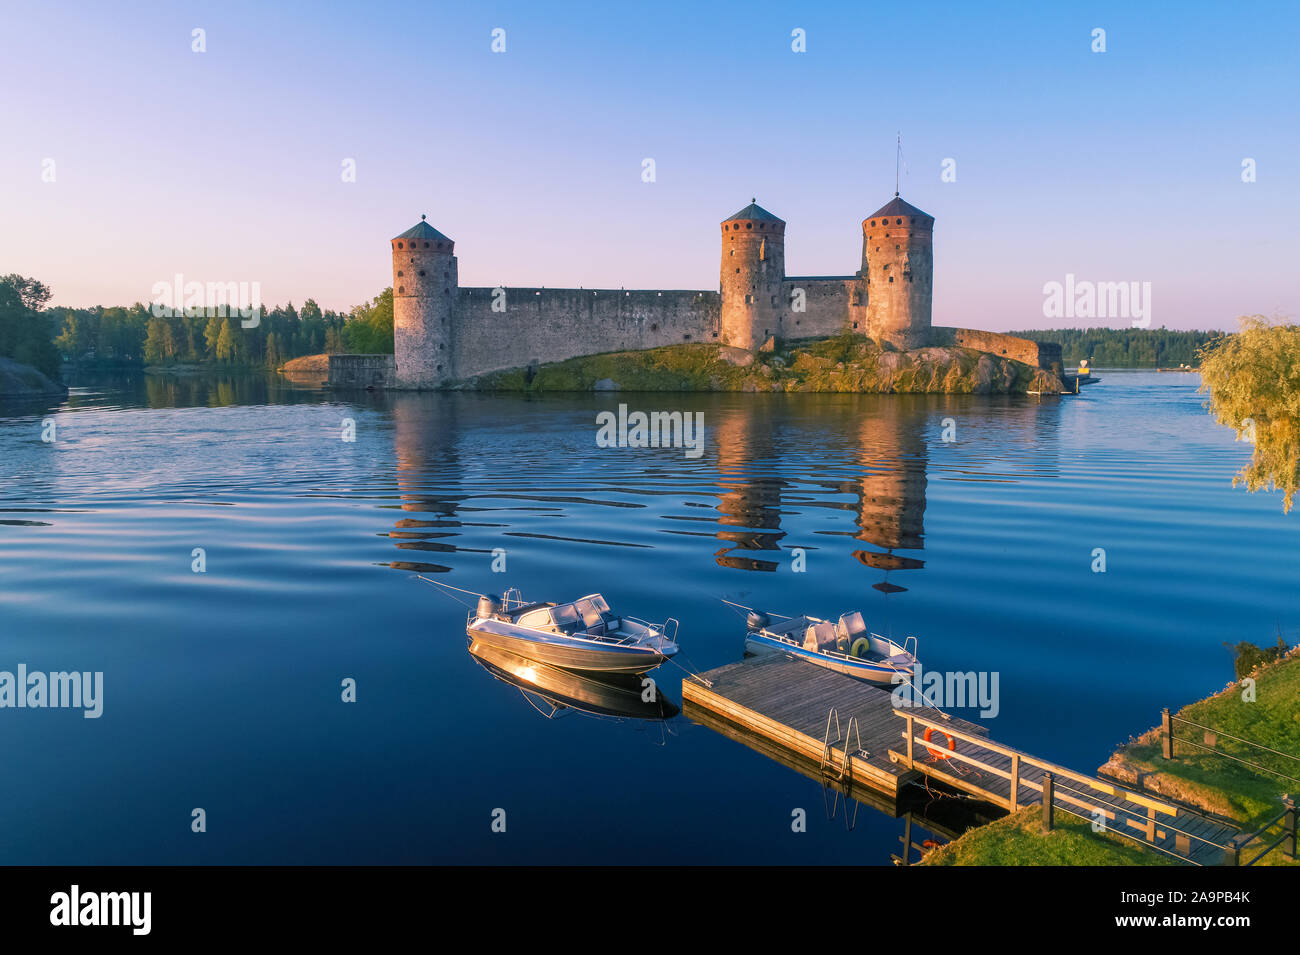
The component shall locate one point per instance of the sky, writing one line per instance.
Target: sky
(228, 164)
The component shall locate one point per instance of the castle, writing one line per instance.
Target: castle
(443, 333)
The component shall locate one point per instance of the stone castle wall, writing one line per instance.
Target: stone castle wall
(832, 305)
(1034, 354)
(547, 325)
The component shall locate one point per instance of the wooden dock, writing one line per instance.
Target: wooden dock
(843, 726)
(830, 726)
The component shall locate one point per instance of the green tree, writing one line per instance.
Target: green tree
(212, 335)
(369, 329)
(272, 351)
(26, 332)
(1253, 380)
(77, 337)
(159, 344)
(226, 341)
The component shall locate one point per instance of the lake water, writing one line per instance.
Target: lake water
(222, 689)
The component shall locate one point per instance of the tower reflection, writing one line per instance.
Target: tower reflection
(424, 441)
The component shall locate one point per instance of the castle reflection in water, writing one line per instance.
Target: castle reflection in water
(474, 474)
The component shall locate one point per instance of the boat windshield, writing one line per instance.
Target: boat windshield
(564, 615)
(597, 601)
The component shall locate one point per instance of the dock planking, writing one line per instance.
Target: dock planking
(786, 703)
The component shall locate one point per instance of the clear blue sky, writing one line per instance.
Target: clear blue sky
(225, 165)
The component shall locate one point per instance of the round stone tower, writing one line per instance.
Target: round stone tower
(898, 264)
(424, 297)
(753, 267)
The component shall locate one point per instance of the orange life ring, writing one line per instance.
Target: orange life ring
(938, 753)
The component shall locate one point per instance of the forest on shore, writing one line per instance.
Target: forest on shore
(45, 337)
(1125, 347)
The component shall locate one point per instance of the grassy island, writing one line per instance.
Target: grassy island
(841, 364)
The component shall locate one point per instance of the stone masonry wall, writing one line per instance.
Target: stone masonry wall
(1034, 354)
(831, 303)
(546, 325)
(362, 371)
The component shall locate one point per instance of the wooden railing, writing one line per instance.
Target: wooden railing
(1060, 787)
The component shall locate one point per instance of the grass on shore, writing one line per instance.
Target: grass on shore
(1211, 781)
(1206, 780)
(1018, 839)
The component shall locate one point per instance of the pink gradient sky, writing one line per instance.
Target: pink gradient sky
(225, 165)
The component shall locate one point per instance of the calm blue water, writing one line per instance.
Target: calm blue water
(222, 689)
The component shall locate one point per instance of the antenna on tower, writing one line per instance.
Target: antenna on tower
(898, 158)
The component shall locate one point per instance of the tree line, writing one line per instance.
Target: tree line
(35, 334)
(1126, 347)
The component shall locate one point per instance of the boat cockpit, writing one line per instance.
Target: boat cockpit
(588, 615)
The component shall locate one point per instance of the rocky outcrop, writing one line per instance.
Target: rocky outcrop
(23, 381)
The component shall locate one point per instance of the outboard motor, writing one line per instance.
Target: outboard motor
(756, 620)
(489, 605)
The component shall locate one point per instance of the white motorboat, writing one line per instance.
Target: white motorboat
(583, 634)
(846, 646)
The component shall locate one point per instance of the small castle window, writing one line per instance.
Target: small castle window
(898, 246)
(399, 273)
(401, 289)
(873, 223)
(891, 278)
(898, 222)
(399, 245)
(654, 326)
(749, 225)
(426, 245)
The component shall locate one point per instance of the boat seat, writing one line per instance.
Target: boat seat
(819, 637)
(851, 626)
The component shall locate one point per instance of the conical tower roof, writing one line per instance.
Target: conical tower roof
(756, 212)
(898, 207)
(422, 230)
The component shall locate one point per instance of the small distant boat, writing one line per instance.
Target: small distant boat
(845, 646)
(583, 634)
